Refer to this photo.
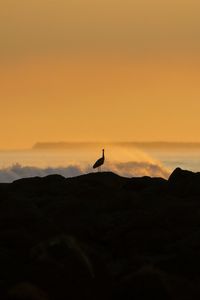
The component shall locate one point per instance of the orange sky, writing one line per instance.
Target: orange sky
(99, 70)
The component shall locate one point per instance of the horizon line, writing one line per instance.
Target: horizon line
(40, 145)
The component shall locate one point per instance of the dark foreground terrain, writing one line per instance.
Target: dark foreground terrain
(100, 236)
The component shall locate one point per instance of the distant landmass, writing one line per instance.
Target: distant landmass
(144, 145)
(64, 145)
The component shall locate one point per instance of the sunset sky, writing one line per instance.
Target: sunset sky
(90, 70)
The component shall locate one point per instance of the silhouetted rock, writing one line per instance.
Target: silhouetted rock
(185, 183)
(100, 236)
(146, 182)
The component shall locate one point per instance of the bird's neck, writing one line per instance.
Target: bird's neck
(103, 154)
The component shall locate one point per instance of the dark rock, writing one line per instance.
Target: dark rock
(143, 183)
(184, 183)
(100, 236)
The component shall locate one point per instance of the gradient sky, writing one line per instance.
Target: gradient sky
(88, 70)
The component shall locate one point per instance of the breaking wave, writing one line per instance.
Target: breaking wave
(127, 169)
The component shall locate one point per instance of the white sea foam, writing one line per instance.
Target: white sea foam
(129, 169)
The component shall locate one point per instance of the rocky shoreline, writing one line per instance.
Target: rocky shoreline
(100, 236)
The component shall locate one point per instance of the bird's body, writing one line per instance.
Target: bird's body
(100, 161)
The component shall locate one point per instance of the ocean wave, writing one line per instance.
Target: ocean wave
(127, 169)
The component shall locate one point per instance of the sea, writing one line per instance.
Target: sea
(125, 159)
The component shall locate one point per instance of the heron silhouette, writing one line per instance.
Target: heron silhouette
(99, 162)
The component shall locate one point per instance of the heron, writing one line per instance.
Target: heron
(99, 162)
